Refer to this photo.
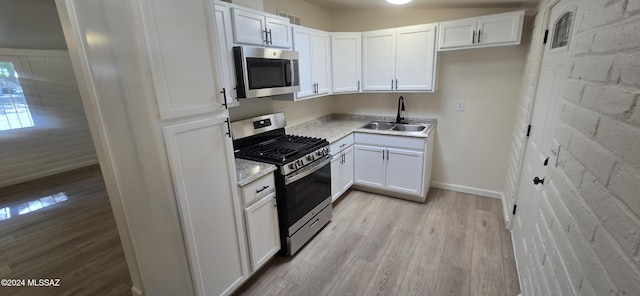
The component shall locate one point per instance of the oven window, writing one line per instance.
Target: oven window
(305, 194)
(267, 73)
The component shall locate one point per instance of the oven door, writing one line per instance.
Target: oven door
(307, 189)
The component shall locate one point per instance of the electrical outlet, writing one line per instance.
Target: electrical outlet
(460, 105)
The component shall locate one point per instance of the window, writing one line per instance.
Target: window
(14, 111)
(562, 30)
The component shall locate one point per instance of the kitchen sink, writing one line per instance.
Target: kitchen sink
(390, 126)
(408, 128)
(379, 126)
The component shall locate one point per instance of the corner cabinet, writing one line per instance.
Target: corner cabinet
(398, 165)
(254, 27)
(314, 62)
(342, 166)
(485, 31)
(399, 59)
(346, 54)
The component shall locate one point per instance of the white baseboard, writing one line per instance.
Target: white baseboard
(136, 291)
(469, 190)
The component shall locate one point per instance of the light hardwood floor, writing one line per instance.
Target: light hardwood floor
(454, 244)
(62, 227)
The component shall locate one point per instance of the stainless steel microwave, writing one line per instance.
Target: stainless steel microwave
(263, 72)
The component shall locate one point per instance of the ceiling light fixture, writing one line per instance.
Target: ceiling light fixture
(398, 2)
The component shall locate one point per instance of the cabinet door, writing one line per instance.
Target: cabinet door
(346, 62)
(201, 159)
(279, 32)
(500, 29)
(262, 230)
(321, 62)
(369, 166)
(224, 35)
(405, 171)
(185, 84)
(248, 27)
(415, 58)
(379, 64)
(457, 34)
(346, 172)
(336, 170)
(302, 44)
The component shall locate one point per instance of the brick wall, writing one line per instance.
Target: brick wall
(587, 238)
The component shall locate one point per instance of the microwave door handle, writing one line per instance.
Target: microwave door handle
(307, 171)
(288, 68)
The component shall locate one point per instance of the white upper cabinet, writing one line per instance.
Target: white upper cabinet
(400, 59)
(313, 50)
(346, 61)
(185, 84)
(485, 31)
(225, 52)
(261, 29)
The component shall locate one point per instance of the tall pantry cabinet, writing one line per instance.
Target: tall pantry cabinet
(154, 99)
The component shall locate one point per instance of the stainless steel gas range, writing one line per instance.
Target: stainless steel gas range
(303, 177)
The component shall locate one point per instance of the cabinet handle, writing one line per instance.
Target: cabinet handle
(396, 83)
(228, 127)
(473, 37)
(343, 145)
(263, 189)
(224, 98)
(270, 38)
(387, 154)
(266, 36)
(391, 84)
(358, 85)
(479, 32)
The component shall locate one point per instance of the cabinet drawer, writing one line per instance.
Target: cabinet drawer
(390, 141)
(257, 189)
(341, 144)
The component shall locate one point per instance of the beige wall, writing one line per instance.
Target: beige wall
(30, 24)
(311, 15)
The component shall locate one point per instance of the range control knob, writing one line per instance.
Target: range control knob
(292, 166)
(300, 162)
(310, 157)
(319, 153)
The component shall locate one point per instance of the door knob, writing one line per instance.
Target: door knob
(537, 181)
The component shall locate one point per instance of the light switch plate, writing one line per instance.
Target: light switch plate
(460, 105)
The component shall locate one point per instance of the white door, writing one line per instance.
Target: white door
(458, 33)
(346, 60)
(499, 28)
(249, 28)
(278, 32)
(262, 230)
(379, 60)
(553, 75)
(405, 171)
(415, 58)
(225, 52)
(336, 170)
(302, 44)
(321, 62)
(370, 165)
(201, 167)
(346, 173)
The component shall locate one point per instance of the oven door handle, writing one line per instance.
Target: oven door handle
(307, 171)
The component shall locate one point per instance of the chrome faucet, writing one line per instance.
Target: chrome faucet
(400, 119)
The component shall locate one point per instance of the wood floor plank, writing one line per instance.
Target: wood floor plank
(365, 219)
(380, 236)
(392, 268)
(512, 284)
(423, 268)
(487, 257)
(355, 278)
(488, 204)
(452, 281)
(412, 218)
(279, 286)
(326, 273)
(459, 241)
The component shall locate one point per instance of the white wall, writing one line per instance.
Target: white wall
(471, 147)
(30, 24)
(587, 239)
(60, 139)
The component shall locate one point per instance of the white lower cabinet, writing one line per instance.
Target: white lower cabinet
(394, 164)
(341, 172)
(261, 217)
(262, 230)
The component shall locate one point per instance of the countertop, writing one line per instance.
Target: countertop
(336, 126)
(248, 171)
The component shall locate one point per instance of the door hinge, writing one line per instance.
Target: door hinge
(529, 131)
(514, 209)
(546, 35)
